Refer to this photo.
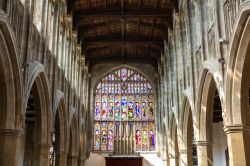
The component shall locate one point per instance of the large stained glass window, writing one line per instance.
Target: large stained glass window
(124, 100)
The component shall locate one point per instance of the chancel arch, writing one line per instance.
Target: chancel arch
(124, 113)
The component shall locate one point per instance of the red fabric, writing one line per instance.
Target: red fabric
(123, 161)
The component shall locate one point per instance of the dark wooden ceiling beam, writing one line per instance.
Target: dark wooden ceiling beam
(120, 42)
(151, 61)
(117, 59)
(130, 37)
(154, 51)
(138, 26)
(119, 12)
(160, 27)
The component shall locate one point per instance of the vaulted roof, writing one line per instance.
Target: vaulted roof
(122, 30)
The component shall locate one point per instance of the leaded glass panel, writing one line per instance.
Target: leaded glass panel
(124, 107)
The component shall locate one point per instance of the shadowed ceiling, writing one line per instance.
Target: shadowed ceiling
(122, 30)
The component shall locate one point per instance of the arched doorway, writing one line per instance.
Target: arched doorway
(212, 140)
(37, 136)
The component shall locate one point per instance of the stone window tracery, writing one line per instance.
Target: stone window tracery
(124, 109)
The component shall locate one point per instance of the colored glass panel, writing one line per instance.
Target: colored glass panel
(104, 136)
(144, 136)
(124, 106)
(110, 136)
(138, 136)
(97, 140)
(151, 136)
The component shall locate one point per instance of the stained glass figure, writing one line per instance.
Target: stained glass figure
(150, 110)
(110, 136)
(97, 111)
(97, 141)
(143, 110)
(137, 110)
(111, 108)
(124, 104)
(144, 136)
(138, 136)
(124, 108)
(104, 107)
(104, 136)
(130, 110)
(151, 137)
(117, 108)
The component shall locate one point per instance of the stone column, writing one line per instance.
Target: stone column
(41, 155)
(10, 146)
(183, 157)
(72, 161)
(205, 154)
(238, 137)
(171, 160)
(61, 158)
(81, 162)
(164, 154)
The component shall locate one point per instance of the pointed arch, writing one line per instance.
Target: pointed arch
(237, 70)
(37, 80)
(10, 79)
(173, 142)
(187, 124)
(205, 120)
(73, 152)
(237, 89)
(61, 131)
(206, 91)
(11, 94)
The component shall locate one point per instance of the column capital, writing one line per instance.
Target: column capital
(236, 128)
(44, 145)
(12, 132)
(203, 143)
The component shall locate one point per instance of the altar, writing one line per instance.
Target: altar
(123, 160)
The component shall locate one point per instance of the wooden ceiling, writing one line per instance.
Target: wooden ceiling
(122, 30)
